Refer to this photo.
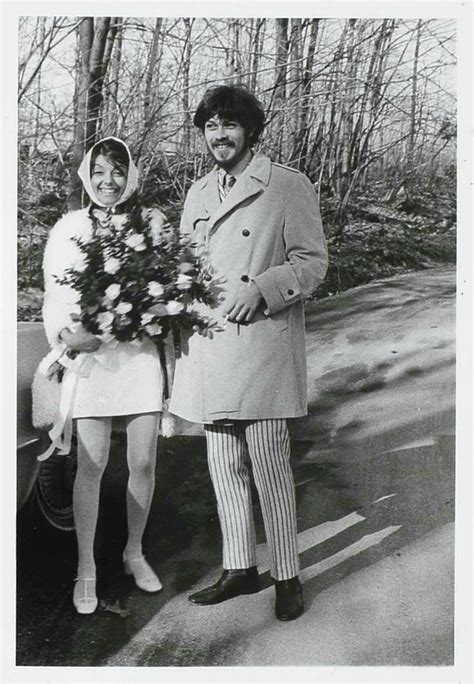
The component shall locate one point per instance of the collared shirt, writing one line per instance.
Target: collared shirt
(226, 181)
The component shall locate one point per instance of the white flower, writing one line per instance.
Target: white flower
(183, 282)
(108, 338)
(156, 222)
(80, 264)
(103, 231)
(123, 308)
(113, 291)
(112, 265)
(119, 220)
(173, 307)
(186, 267)
(153, 329)
(123, 321)
(155, 289)
(105, 320)
(147, 318)
(136, 241)
(158, 310)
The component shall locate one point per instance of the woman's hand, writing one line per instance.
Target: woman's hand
(80, 340)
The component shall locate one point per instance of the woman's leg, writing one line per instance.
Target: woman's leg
(142, 436)
(93, 443)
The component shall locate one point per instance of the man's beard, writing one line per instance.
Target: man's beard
(227, 162)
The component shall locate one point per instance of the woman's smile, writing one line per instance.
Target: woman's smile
(108, 181)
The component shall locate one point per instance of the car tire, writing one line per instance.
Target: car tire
(54, 487)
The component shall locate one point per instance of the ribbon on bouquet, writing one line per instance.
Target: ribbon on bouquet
(81, 366)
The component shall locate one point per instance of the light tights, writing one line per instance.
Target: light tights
(93, 436)
(142, 436)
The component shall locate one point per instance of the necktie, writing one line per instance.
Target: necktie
(226, 182)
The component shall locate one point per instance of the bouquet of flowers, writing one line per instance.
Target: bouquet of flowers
(138, 278)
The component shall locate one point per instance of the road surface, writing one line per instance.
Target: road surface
(374, 470)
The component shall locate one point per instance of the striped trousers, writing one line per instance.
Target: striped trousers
(268, 444)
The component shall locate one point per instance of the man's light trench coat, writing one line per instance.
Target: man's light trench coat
(268, 229)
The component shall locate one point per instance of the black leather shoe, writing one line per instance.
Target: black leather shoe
(231, 583)
(289, 599)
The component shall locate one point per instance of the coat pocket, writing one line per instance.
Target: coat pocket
(280, 320)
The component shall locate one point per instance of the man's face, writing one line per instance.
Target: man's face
(226, 140)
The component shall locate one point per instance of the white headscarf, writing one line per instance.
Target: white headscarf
(84, 173)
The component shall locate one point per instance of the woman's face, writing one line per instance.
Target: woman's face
(108, 180)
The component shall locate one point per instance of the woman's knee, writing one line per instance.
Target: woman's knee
(142, 466)
(93, 444)
(91, 467)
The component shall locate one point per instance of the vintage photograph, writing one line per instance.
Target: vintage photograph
(236, 305)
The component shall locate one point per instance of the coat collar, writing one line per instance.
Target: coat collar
(253, 180)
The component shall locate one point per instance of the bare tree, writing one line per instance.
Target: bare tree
(279, 89)
(346, 101)
(413, 107)
(95, 48)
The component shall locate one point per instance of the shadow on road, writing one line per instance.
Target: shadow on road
(183, 540)
(374, 471)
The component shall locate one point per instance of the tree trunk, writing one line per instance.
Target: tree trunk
(279, 89)
(256, 53)
(348, 110)
(41, 26)
(152, 74)
(413, 108)
(186, 136)
(233, 68)
(301, 143)
(295, 88)
(97, 71)
(92, 36)
(112, 108)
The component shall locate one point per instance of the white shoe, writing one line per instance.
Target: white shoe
(145, 577)
(84, 597)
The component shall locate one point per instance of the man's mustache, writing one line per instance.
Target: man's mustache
(224, 141)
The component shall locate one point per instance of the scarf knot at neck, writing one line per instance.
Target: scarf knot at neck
(107, 219)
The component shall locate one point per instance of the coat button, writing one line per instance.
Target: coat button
(291, 292)
(245, 232)
(244, 278)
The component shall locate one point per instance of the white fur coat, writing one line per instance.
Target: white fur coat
(61, 301)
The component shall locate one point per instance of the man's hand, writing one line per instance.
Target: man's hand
(81, 340)
(242, 307)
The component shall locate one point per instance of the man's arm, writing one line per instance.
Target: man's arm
(306, 264)
(306, 251)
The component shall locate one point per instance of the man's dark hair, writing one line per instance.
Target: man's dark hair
(232, 102)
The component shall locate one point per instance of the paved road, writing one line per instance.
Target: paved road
(374, 468)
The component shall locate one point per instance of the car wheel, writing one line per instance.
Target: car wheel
(54, 487)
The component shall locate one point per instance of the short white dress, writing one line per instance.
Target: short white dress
(121, 378)
(125, 380)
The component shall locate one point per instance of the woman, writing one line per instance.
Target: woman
(124, 379)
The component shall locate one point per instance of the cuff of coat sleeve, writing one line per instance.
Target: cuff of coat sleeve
(277, 294)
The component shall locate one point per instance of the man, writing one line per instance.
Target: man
(258, 225)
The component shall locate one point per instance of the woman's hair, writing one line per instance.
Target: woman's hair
(232, 102)
(114, 151)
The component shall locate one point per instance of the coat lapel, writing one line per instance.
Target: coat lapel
(210, 194)
(253, 181)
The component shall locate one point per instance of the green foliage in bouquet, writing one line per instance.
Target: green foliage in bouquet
(137, 278)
